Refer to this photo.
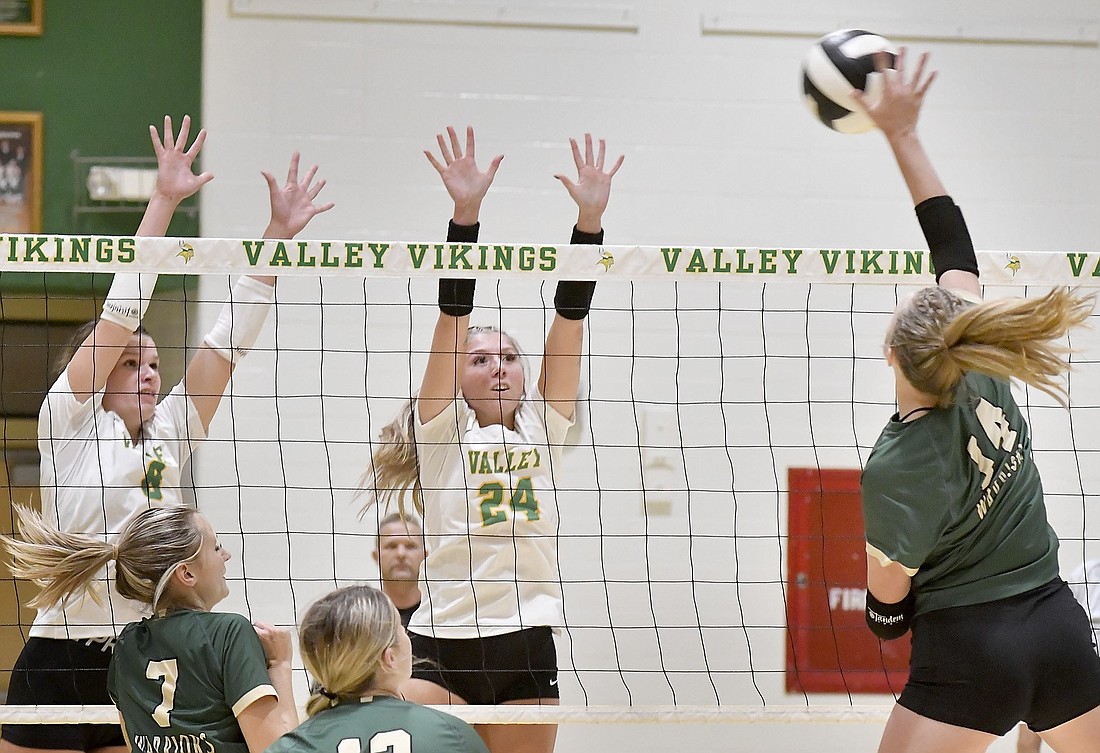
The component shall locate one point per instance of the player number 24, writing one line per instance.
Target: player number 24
(522, 501)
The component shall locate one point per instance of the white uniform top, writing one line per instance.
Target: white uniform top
(490, 522)
(95, 480)
(1085, 584)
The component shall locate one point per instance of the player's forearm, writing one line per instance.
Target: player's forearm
(916, 168)
(282, 682)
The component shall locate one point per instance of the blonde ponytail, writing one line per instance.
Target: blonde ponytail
(65, 564)
(62, 564)
(342, 638)
(937, 338)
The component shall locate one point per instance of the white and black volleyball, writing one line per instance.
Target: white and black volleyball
(836, 64)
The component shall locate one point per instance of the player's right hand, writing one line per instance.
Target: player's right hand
(276, 641)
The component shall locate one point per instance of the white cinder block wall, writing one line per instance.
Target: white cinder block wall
(704, 100)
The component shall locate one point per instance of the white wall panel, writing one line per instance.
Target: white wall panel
(704, 98)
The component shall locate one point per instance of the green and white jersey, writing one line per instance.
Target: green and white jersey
(180, 681)
(381, 725)
(955, 498)
(95, 480)
(490, 521)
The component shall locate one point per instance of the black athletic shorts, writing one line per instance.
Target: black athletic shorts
(486, 671)
(988, 666)
(62, 673)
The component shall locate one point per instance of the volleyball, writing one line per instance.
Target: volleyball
(836, 64)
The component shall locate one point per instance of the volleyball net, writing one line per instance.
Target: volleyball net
(710, 544)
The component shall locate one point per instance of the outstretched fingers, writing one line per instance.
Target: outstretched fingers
(470, 142)
(435, 163)
(154, 136)
(316, 189)
(178, 142)
(293, 204)
(491, 172)
(615, 168)
(443, 148)
(465, 182)
(594, 157)
(270, 179)
(185, 131)
(169, 140)
(922, 63)
(456, 148)
(577, 159)
(174, 160)
(309, 177)
(920, 81)
(569, 185)
(927, 84)
(196, 147)
(292, 171)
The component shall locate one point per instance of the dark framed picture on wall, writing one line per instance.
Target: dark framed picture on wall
(21, 17)
(20, 171)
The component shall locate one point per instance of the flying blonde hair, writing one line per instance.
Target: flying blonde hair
(342, 638)
(937, 337)
(65, 565)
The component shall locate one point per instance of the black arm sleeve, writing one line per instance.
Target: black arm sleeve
(581, 238)
(462, 233)
(948, 239)
(573, 298)
(456, 297)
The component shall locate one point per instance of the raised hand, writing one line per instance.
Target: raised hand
(897, 110)
(592, 188)
(175, 180)
(292, 206)
(466, 184)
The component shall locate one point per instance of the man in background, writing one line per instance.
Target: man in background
(399, 551)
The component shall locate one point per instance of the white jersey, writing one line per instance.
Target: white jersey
(1085, 584)
(95, 480)
(490, 522)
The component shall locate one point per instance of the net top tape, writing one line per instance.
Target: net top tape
(504, 714)
(313, 258)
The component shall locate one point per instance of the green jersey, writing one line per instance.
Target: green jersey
(955, 498)
(180, 681)
(381, 725)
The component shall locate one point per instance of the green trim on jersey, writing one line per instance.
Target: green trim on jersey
(381, 723)
(956, 495)
(176, 679)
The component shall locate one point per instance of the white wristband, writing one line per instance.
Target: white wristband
(241, 319)
(128, 299)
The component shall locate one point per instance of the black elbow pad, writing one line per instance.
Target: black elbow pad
(890, 621)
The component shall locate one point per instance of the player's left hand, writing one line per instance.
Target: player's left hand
(592, 189)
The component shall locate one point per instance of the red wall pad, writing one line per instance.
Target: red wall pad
(830, 649)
